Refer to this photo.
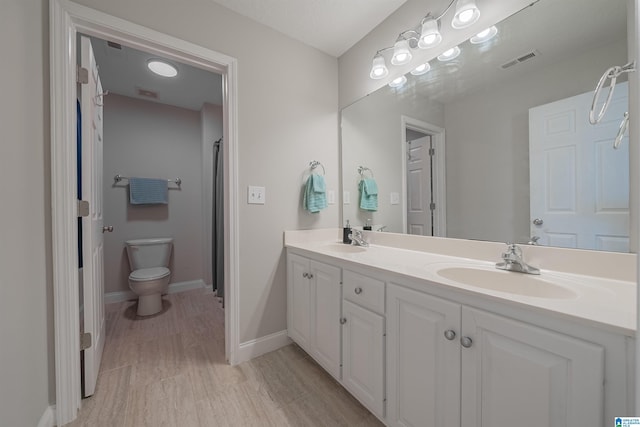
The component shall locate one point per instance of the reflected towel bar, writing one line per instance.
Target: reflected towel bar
(119, 178)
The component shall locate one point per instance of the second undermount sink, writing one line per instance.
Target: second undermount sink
(344, 248)
(507, 282)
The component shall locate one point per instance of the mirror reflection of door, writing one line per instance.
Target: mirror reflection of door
(419, 183)
(579, 184)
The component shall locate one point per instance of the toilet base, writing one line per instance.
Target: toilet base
(149, 304)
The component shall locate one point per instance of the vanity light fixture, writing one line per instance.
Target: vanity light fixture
(429, 33)
(421, 69)
(379, 68)
(450, 54)
(484, 36)
(467, 13)
(398, 81)
(401, 52)
(162, 68)
(425, 35)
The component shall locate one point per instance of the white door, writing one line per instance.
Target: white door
(325, 280)
(363, 356)
(92, 225)
(579, 184)
(423, 360)
(419, 214)
(514, 374)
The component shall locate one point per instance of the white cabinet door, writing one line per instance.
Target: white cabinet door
(363, 356)
(423, 364)
(326, 296)
(515, 374)
(299, 300)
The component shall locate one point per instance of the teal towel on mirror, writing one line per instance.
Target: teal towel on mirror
(315, 197)
(147, 191)
(368, 194)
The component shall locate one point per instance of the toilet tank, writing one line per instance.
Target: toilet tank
(148, 253)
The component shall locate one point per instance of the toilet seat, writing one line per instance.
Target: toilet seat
(146, 274)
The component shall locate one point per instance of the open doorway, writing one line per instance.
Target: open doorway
(67, 19)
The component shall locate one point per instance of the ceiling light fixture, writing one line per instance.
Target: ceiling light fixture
(425, 35)
(162, 68)
(398, 81)
(467, 13)
(421, 69)
(450, 54)
(484, 36)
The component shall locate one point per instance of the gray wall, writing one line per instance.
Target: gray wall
(287, 116)
(151, 140)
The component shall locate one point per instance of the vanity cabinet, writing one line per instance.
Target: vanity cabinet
(449, 364)
(363, 336)
(313, 309)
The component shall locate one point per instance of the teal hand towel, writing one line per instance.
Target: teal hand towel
(315, 197)
(147, 191)
(368, 194)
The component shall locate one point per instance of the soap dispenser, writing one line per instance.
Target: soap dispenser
(345, 233)
(367, 225)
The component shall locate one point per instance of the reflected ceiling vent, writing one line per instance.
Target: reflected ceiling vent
(147, 93)
(519, 60)
(114, 45)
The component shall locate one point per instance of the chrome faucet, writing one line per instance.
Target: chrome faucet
(513, 261)
(357, 239)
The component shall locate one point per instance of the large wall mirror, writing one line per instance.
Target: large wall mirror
(496, 144)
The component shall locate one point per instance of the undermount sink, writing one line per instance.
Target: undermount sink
(508, 282)
(344, 248)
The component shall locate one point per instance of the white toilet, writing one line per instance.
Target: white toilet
(149, 259)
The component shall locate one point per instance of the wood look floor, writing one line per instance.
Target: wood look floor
(170, 370)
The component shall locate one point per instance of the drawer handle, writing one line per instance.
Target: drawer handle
(358, 290)
(449, 334)
(466, 342)
(343, 320)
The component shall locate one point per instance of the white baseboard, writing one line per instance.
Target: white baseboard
(254, 348)
(119, 296)
(48, 418)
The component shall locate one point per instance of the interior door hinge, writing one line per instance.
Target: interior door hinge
(432, 206)
(85, 341)
(432, 152)
(83, 208)
(82, 75)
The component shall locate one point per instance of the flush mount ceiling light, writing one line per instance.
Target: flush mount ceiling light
(426, 35)
(484, 36)
(162, 68)
(429, 34)
(450, 54)
(398, 81)
(379, 68)
(401, 52)
(421, 69)
(467, 13)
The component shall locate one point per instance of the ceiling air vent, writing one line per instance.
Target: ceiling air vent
(114, 45)
(147, 93)
(520, 59)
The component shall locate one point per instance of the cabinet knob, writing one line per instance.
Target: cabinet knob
(343, 320)
(466, 342)
(305, 275)
(358, 290)
(310, 276)
(449, 334)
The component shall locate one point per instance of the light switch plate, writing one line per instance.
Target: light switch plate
(394, 198)
(331, 197)
(346, 197)
(256, 195)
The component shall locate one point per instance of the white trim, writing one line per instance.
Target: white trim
(254, 348)
(66, 19)
(174, 288)
(48, 418)
(439, 175)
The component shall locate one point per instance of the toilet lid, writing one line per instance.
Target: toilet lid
(149, 273)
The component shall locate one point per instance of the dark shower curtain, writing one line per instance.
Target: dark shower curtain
(217, 228)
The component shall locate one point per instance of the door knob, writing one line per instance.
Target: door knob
(107, 228)
(538, 221)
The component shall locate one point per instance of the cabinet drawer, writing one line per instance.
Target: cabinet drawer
(363, 290)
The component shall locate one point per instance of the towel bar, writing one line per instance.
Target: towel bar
(119, 178)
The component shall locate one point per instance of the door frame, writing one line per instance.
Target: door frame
(438, 171)
(65, 20)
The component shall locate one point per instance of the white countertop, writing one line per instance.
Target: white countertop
(607, 303)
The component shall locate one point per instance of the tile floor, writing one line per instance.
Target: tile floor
(169, 370)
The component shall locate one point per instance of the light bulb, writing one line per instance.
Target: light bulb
(379, 68)
(450, 54)
(467, 13)
(162, 68)
(421, 69)
(484, 35)
(398, 81)
(429, 34)
(401, 52)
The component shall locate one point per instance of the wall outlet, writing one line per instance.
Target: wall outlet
(256, 195)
